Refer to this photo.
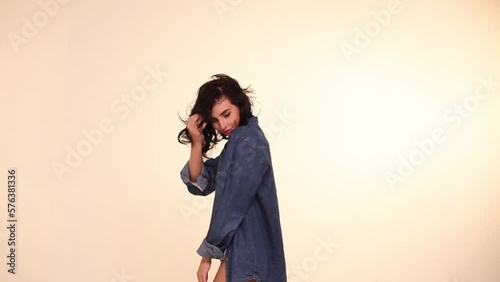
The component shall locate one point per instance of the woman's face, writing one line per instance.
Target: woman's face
(225, 116)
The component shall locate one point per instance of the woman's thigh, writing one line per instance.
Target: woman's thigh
(221, 273)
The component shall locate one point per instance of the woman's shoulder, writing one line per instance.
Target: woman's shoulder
(249, 133)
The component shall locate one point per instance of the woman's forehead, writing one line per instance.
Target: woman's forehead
(220, 106)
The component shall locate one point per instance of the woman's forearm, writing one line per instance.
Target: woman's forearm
(195, 161)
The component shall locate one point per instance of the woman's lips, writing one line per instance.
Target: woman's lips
(228, 131)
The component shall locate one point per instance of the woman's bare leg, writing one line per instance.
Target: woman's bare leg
(221, 273)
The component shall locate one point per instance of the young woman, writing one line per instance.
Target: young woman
(245, 230)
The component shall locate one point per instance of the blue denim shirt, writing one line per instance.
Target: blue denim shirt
(245, 227)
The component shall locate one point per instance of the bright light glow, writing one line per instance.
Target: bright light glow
(367, 120)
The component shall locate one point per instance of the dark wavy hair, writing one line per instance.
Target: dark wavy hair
(219, 86)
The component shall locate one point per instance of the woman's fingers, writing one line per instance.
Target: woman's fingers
(195, 129)
(203, 269)
(198, 121)
(202, 279)
(192, 124)
(194, 121)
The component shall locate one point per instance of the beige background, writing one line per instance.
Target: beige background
(337, 124)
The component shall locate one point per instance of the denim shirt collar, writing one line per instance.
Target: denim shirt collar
(253, 120)
(238, 132)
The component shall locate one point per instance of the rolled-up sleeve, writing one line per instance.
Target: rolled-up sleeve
(238, 183)
(205, 183)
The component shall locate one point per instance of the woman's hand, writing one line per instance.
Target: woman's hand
(203, 269)
(195, 129)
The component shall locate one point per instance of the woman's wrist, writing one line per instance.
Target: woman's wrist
(207, 260)
(197, 144)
